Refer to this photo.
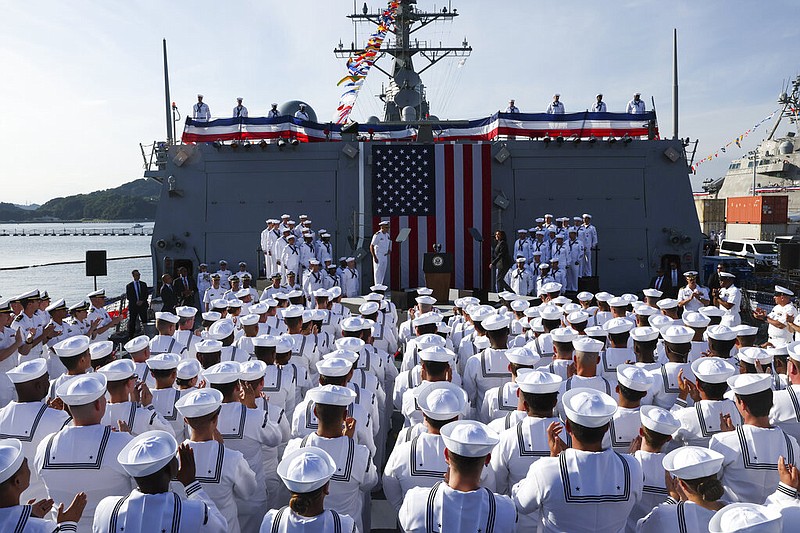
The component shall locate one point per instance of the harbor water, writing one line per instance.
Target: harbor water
(27, 262)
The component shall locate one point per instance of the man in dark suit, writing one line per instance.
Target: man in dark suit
(185, 288)
(136, 292)
(168, 299)
(660, 282)
(675, 280)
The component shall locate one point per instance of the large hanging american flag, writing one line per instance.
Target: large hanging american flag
(439, 192)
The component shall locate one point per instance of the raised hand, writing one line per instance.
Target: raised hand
(554, 441)
(74, 511)
(40, 508)
(186, 467)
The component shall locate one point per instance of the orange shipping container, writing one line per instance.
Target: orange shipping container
(757, 210)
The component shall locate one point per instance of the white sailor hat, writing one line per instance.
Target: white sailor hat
(783, 290)
(321, 293)
(481, 343)
(532, 312)
(496, 322)
(186, 311)
(644, 334)
(634, 378)
(570, 308)
(586, 344)
(522, 230)
(352, 324)
(342, 354)
(618, 325)
(373, 297)
(693, 462)
(726, 275)
(585, 296)
(695, 320)
(522, 356)
(441, 400)
(308, 315)
(630, 297)
(221, 329)
(744, 384)
(72, 346)
(306, 469)
(285, 344)
(751, 354)
(743, 330)
(83, 389)
(645, 310)
(293, 311)
(148, 453)
(481, 313)
(618, 301)
(588, 407)
(747, 518)
(721, 333)
(587, 215)
(335, 292)
(266, 341)
(678, 334)
(658, 419)
(221, 373)
(426, 318)
(660, 322)
(334, 367)
(11, 458)
(28, 371)
(775, 351)
(539, 382)
(520, 305)
(249, 319)
(252, 370)
(469, 438)
(212, 316)
(521, 259)
(429, 340)
(550, 312)
(667, 303)
(208, 346)
(712, 369)
(189, 368)
(242, 293)
(578, 317)
(332, 395)
(118, 370)
(563, 334)
(596, 331)
(100, 349)
(137, 344)
(167, 317)
(261, 307)
(199, 402)
(436, 354)
(378, 287)
(163, 361)
(234, 304)
(551, 287)
(58, 304)
(653, 293)
(425, 300)
(352, 344)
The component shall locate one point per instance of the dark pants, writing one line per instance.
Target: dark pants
(136, 314)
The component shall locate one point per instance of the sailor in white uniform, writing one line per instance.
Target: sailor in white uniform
(222, 472)
(301, 112)
(152, 460)
(268, 237)
(203, 281)
(587, 356)
(729, 300)
(139, 350)
(380, 247)
(618, 330)
(459, 503)
(489, 368)
(224, 274)
(587, 233)
(779, 319)
(200, 110)
(15, 515)
(785, 411)
(575, 254)
(586, 479)
(677, 344)
(511, 107)
(632, 385)
(749, 470)
(520, 278)
(290, 257)
(355, 471)
(164, 369)
(129, 402)
(165, 341)
(556, 107)
(273, 111)
(239, 111)
(32, 331)
(635, 106)
(30, 419)
(244, 428)
(499, 401)
(83, 455)
(350, 279)
(61, 329)
(695, 470)
(598, 106)
(73, 354)
(307, 473)
(104, 328)
(10, 341)
(524, 443)
(184, 333)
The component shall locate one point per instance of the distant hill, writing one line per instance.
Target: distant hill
(28, 207)
(135, 200)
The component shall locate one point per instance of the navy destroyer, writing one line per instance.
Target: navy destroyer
(517, 167)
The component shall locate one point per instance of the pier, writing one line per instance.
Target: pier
(83, 232)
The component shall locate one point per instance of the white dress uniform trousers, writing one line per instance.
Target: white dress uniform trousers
(383, 246)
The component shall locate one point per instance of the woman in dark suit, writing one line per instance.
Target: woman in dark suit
(501, 260)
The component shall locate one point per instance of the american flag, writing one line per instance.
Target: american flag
(439, 192)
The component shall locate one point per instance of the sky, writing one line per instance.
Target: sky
(83, 81)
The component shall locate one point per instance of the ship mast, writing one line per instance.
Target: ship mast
(790, 102)
(405, 89)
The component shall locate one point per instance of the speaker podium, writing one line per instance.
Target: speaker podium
(438, 269)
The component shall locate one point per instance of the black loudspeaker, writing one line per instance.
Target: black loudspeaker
(789, 256)
(589, 283)
(96, 263)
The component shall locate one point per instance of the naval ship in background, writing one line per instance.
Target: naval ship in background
(615, 166)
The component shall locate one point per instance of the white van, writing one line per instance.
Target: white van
(757, 253)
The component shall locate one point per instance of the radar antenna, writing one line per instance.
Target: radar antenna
(405, 85)
(791, 105)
